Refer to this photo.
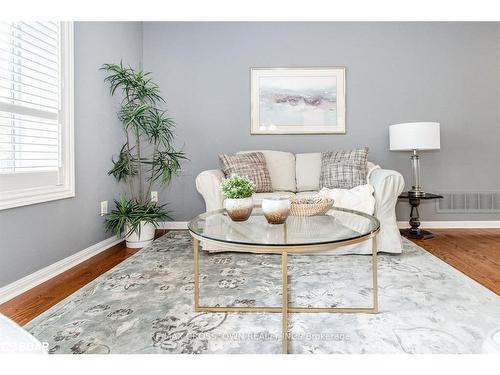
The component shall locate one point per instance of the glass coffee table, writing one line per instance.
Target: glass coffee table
(298, 235)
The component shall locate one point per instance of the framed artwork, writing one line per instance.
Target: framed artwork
(298, 100)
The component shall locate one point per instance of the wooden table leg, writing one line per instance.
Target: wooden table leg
(414, 232)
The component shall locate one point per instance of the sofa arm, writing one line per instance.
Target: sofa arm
(208, 185)
(387, 185)
(14, 339)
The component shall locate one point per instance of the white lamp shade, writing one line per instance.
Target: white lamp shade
(414, 136)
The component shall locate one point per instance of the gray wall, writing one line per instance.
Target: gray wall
(35, 236)
(396, 72)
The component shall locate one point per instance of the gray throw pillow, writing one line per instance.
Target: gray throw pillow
(343, 169)
(251, 165)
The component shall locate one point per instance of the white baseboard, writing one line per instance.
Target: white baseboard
(453, 224)
(26, 283)
(173, 225)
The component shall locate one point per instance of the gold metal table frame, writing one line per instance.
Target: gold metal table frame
(285, 309)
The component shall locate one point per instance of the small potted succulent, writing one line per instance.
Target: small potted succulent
(238, 192)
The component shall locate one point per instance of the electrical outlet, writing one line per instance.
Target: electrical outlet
(104, 208)
(154, 196)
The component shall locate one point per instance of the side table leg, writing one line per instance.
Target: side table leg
(284, 311)
(414, 217)
(414, 232)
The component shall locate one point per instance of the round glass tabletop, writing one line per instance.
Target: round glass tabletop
(340, 225)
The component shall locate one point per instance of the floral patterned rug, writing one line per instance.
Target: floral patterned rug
(145, 305)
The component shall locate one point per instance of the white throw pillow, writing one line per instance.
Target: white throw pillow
(308, 170)
(359, 198)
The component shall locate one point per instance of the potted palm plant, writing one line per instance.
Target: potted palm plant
(147, 156)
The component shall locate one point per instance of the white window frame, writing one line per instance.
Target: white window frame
(66, 187)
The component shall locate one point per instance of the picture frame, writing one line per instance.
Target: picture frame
(307, 100)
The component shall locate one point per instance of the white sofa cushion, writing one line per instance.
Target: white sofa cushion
(307, 171)
(359, 198)
(281, 167)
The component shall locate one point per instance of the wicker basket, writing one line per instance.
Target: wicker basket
(311, 206)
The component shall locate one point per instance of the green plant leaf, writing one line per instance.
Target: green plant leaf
(124, 167)
(236, 187)
(164, 165)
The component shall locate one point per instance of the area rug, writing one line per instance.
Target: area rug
(145, 305)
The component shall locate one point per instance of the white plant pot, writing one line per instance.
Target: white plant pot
(239, 209)
(134, 240)
(276, 210)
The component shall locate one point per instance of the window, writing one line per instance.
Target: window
(36, 112)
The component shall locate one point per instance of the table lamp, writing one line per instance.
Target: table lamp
(414, 136)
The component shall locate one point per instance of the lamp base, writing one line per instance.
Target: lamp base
(416, 193)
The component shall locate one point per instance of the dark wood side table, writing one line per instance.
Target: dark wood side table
(414, 231)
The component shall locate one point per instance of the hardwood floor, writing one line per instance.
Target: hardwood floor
(475, 252)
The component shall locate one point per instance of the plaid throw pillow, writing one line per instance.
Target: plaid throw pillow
(343, 169)
(251, 165)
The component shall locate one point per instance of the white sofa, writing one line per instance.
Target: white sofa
(299, 174)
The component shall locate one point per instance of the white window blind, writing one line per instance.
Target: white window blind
(35, 111)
